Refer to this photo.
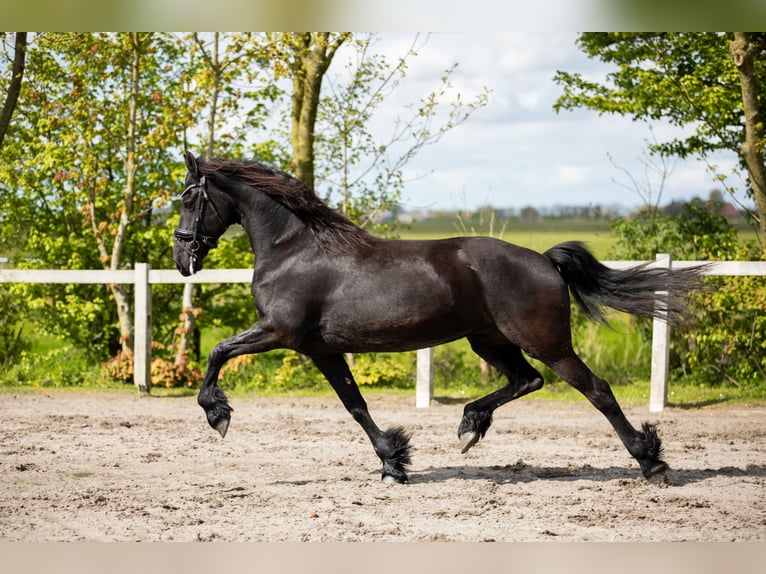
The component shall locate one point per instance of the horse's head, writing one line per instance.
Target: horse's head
(206, 212)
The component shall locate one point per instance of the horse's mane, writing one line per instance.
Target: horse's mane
(332, 231)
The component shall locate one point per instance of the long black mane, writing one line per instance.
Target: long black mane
(332, 231)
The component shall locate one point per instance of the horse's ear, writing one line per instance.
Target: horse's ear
(191, 164)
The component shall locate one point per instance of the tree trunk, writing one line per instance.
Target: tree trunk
(14, 88)
(743, 53)
(118, 291)
(186, 336)
(313, 55)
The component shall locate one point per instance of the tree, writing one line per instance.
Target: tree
(304, 58)
(361, 171)
(690, 80)
(14, 83)
(745, 48)
(97, 123)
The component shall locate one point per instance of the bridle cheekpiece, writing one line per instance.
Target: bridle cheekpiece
(190, 241)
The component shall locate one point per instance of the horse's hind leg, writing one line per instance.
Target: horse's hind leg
(644, 445)
(522, 379)
(392, 445)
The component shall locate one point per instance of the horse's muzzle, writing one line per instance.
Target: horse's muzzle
(187, 260)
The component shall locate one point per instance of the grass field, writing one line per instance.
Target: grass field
(537, 235)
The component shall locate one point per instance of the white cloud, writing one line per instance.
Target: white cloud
(571, 174)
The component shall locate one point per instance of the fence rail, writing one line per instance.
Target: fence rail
(143, 277)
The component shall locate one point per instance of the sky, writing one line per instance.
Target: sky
(517, 151)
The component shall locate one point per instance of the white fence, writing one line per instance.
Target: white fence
(142, 276)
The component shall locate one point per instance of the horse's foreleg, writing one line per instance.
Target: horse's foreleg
(392, 446)
(211, 398)
(522, 379)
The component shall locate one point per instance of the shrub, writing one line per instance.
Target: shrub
(13, 339)
(64, 366)
(287, 370)
(278, 370)
(724, 340)
(165, 372)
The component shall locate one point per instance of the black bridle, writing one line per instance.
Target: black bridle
(190, 241)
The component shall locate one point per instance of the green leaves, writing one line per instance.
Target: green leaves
(687, 79)
(683, 78)
(724, 340)
(91, 153)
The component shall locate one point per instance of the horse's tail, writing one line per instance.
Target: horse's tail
(594, 285)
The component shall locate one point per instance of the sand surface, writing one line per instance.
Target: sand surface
(116, 467)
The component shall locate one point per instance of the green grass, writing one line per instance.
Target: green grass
(679, 395)
(632, 395)
(536, 235)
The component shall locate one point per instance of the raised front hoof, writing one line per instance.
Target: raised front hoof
(473, 426)
(467, 440)
(219, 420)
(217, 410)
(222, 426)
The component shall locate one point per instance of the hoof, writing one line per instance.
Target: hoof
(391, 479)
(222, 427)
(219, 418)
(217, 409)
(393, 449)
(661, 480)
(473, 426)
(467, 440)
(656, 473)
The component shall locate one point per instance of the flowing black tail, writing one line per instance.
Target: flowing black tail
(594, 285)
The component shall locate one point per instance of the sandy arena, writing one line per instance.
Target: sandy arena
(115, 467)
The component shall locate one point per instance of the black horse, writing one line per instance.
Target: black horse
(324, 287)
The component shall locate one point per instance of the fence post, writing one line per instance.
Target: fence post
(142, 330)
(658, 394)
(424, 386)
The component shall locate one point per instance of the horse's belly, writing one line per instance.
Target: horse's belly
(386, 322)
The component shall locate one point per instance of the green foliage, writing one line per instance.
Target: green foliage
(724, 339)
(729, 345)
(685, 78)
(284, 370)
(690, 80)
(13, 339)
(617, 352)
(279, 370)
(392, 370)
(86, 161)
(61, 366)
(697, 233)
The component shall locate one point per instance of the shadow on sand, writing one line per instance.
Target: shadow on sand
(522, 473)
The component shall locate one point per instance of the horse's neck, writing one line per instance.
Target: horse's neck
(269, 225)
